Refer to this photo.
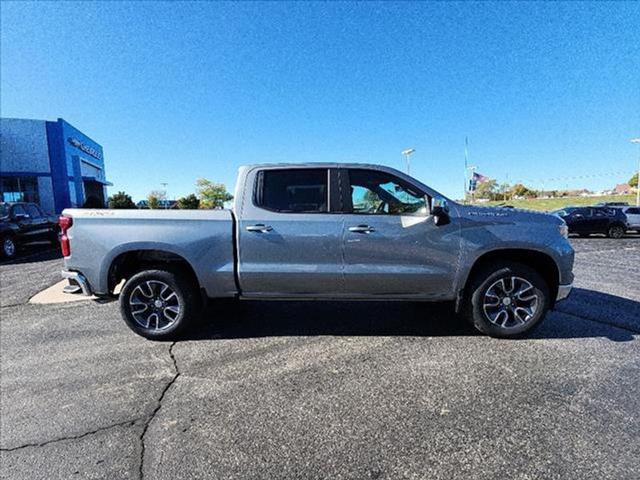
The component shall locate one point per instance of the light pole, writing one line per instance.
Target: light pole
(637, 142)
(407, 153)
(164, 185)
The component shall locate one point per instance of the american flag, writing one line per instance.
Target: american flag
(479, 178)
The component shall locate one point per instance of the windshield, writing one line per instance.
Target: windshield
(4, 210)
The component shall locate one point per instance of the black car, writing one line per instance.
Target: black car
(587, 220)
(23, 224)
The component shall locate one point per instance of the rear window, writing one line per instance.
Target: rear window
(293, 191)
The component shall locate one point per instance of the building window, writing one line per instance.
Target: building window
(19, 189)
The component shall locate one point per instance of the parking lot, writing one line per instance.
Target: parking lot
(324, 390)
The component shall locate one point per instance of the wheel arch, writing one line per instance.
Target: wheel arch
(127, 264)
(541, 262)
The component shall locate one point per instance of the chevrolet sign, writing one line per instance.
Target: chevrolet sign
(89, 150)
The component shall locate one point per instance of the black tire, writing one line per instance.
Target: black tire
(616, 231)
(182, 295)
(477, 296)
(9, 248)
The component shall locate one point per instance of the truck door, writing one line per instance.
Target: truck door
(289, 242)
(392, 246)
(25, 225)
(40, 229)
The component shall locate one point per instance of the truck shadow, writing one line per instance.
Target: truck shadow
(586, 313)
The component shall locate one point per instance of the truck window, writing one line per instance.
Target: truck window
(293, 190)
(33, 211)
(17, 210)
(374, 192)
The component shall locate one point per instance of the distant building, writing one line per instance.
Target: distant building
(50, 163)
(622, 189)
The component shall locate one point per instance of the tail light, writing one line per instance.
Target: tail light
(65, 224)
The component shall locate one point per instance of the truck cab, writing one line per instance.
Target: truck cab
(330, 231)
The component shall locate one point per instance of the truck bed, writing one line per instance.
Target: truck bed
(204, 238)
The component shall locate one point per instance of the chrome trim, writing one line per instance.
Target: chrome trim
(78, 278)
(563, 291)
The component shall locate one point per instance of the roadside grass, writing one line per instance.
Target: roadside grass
(548, 204)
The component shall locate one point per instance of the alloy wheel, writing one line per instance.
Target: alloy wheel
(8, 247)
(616, 232)
(154, 305)
(511, 302)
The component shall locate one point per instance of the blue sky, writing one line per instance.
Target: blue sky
(176, 91)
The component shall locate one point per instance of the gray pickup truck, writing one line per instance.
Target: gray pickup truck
(322, 231)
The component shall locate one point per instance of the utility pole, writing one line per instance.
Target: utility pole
(407, 154)
(637, 142)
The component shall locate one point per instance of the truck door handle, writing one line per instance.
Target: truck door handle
(260, 227)
(362, 229)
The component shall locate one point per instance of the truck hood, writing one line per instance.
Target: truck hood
(506, 215)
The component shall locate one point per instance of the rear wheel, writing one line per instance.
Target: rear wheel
(507, 300)
(615, 231)
(9, 247)
(159, 304)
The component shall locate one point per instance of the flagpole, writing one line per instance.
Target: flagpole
(466, 167)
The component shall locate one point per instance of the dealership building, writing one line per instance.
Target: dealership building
(50, 163)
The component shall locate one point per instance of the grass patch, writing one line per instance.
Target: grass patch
(547, 204)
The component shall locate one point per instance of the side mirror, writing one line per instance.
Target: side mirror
(577, 215)
(440, 216)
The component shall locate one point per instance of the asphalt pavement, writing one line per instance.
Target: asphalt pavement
(352, 390)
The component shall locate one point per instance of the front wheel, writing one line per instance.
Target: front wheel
(9, 247)
(507, 300)
(616, 231)
(159, 304)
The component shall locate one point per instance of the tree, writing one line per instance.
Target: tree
(503, 190)
(121, 200)
(190, 202)
(212, 195)
(519, 190)
(154, 198)
(486, 189)
(633, 181)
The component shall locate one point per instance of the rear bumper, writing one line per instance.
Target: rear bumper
(76, 278)
(563, 291)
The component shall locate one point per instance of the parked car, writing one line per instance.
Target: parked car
(322, 231)
(633, 217)
(585, 221)
(25, 223)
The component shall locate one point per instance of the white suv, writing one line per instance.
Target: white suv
(633, 217)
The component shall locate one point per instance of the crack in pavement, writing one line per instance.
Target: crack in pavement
(73, 437)
(155, 410)
(147, 421)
